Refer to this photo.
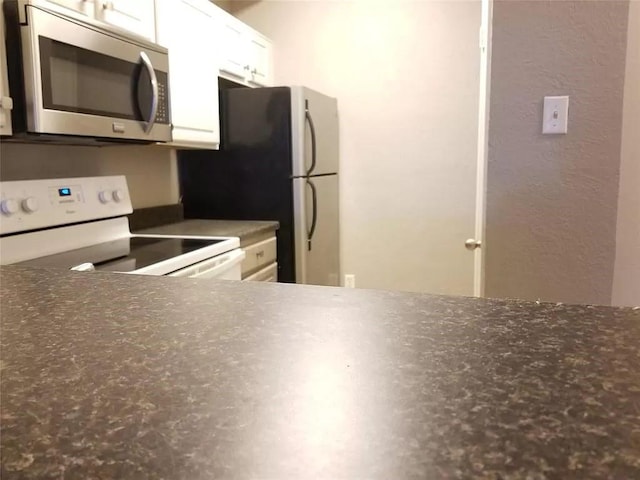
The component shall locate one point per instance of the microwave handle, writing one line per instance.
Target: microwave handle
(154, 90)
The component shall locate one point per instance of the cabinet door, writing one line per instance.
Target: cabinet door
(137, 16)
(234, 61)
(5, 99)
(260, 51)
(186, 28)
(86, 7)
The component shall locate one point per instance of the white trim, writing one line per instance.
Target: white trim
(191, 258)
(30, 246)
(483, 145)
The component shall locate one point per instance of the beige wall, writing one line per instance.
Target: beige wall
(150, 170)
(626, 280)
(406, 77)
(552, 200)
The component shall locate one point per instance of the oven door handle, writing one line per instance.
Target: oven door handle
(213, 267)
(154, 90)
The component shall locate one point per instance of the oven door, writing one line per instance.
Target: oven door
(81, 79)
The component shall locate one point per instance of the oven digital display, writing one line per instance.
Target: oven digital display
(64, 192)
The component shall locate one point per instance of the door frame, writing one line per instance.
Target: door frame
(483, 146)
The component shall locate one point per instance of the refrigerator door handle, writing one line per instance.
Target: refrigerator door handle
(314, 213)
(312, 130)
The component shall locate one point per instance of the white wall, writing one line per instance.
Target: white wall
(626, 280)
(150, 170)
(406, 77)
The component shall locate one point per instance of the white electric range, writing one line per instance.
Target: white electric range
(81, 224)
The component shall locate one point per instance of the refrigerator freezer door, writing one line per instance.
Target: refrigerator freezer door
(256, 119)
(317, 242)
(312, 112)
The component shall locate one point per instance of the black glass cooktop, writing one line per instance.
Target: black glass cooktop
(125, 254)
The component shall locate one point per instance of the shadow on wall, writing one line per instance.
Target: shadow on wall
(234, 6)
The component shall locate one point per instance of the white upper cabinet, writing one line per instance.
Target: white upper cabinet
(204, 42)
(137, 16)
(5, 100)
(260, 59)
(188, 29)
(233, 61)
(246, 55)
(85, 7)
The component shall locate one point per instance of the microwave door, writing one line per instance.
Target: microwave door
(147, 92)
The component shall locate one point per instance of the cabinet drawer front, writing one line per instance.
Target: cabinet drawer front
(259, 254)
(267, 274)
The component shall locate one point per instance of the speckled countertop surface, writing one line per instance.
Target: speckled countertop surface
(245, 229)
(129, 377)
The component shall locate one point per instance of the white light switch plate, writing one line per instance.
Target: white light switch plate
(555, 115)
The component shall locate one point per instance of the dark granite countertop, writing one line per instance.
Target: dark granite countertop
(129, 377)
(246, 230)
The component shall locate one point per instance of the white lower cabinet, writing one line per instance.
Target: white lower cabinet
(187, 28)
(259, 263)
(267, 274)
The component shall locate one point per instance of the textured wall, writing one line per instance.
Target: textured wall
(406, 77)
(151, 171)
(626, 282)
(552, 200)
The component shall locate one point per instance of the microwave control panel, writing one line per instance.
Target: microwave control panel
(34, 204)
(162, 115)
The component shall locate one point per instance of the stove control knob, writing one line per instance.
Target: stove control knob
(104, 196)
(30, 204)
(9, 206)
(118, 195)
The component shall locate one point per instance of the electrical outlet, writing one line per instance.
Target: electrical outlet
(350, 280)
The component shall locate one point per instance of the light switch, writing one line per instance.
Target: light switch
(555, 114)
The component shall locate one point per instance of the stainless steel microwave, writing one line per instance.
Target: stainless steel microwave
(76, 80)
